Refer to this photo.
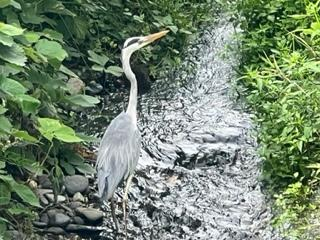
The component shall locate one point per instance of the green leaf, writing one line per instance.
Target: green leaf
(70, 170)
(19, 209)
(31, 37)
(5, 193)
(10, 30)
(2, 165)
(67, 71)
(3, 109)
(11, 87)
(4, 3)
(97, 68)
(83, 100)
(52, 35)
(24, 136)
(96, 58)
(13, 54)
(28, 104)
(5, 125)
(114, 70)
(67, 134)
(51, 128)
(51, 49)
(6, 40)
(15, 4)
(85, 168)
(26, 194)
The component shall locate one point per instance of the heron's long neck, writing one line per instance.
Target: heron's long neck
(132, 106)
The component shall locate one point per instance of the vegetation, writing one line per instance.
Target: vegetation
(49, 49)
(280, 49)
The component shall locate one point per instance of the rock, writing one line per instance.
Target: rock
(56, 230)
(57, 218)
(60, 198)
(74, 205)
(76, 227)
(44, 218)
(39, 224)
(78, 197)
(44, 181)
(33, 184)
(91, 214)
(41, 193)
(76, 183)
(78, 220)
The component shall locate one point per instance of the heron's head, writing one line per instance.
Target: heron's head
(135, 43)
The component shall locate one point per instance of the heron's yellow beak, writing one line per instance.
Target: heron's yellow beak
(152, 37)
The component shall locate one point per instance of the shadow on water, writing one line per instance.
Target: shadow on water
(197, 176)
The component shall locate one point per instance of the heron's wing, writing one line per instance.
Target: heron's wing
(118, 154)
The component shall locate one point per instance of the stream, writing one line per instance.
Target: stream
(197, 176)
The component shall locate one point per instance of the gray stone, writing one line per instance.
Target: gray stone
(58, 218)
(60, 198)
(16, 234)
(44, 218)
(78, 197)
(39, 224)
(74, 205)
(44, 181)
(41, 193)
(76, 227)
(91, 214)
(76, 183)
(78, 220)
(56, 230)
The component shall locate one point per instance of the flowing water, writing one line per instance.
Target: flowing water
(198, 174)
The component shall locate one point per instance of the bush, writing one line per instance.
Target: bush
(281, 70)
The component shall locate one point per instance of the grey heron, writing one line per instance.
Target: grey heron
(120, 145)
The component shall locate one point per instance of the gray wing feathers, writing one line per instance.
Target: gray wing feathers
(118, 154)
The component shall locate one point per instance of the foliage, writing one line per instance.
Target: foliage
(46, 47)
(280, 48)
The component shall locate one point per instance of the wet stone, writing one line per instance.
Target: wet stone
(78, 197)
(75, 227)
(74, 205)
(57, 218)
(91, 214)
(44, 181)
(56, 230)
(60, 198)
(44, 218)
(78, 220)
(76, 183)
(39, 224)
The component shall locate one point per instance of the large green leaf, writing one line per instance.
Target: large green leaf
(26, 194)
(3, 109)
(13, 54)
(5, 125)
(5, 193)
(52, 128)
(83, 100)
(114, 70)
(51, 49)
(6, 40)
(11, 87)
(96, 58)
(85, 168)
(10, 29)
(4, 3)
(28, 104)
(24, 136)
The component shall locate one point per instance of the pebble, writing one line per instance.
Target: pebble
(60, 198)
(41, 193)
(56, 230)
(76, 227)
(44, 218)
(78, 220)
(44, 181)
(74, 205)
(78, 197)
(76, 183)
(57, 218)
(39, 224)
(90, 214)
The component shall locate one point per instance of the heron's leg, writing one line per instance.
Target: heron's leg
(125, 201)
(113, 213)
